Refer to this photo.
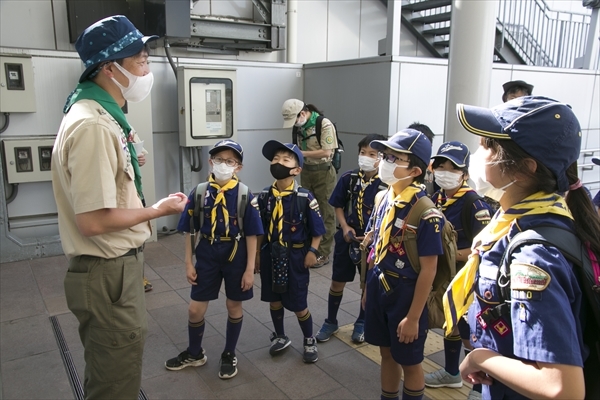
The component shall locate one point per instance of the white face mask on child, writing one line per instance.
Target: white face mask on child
(448, 180)
(367, 164)
(477, 174)
(223, 172)
(386, 172)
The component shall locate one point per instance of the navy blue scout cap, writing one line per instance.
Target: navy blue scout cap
(272, 146)
(596, 161)
(111, 38)
(546, 129)
(409, 141)
(456, 152)
(227, 144)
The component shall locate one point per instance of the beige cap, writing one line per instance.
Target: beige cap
(290, 110)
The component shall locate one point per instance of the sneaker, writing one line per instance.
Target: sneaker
(278, 343)
(473, 395)
(228, 366)
(185, 359)
(147, 285)
(358, 334)
(441, 378)
(321, 260)
(326, 331)
(311, 354)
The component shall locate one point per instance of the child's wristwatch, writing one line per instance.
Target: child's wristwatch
(312, 249)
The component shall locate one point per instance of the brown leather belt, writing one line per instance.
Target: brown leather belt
(134, 252)
(317, 167)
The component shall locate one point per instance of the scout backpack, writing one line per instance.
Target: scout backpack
(301, 195)
(446, 265)
(587, 271)
(199, 196)
(337, 153)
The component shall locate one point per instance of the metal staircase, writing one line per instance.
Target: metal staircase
(527, 31)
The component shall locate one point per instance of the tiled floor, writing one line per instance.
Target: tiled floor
(31, 366)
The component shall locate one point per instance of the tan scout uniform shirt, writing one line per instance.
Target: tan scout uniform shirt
(91, 170)
(328, 141)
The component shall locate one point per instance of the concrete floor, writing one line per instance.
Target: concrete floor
(31, 366)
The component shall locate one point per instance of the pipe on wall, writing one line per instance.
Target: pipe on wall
(292, 31)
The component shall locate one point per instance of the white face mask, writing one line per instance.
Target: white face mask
(223, 172)
(448, 180)
(139, 86)
(367, 164)
(477, 174)
(386, 172)
(300, 122)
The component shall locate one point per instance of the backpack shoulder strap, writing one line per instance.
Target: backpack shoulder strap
(318, 128)
(421, 206)
(242, 202)
(198, 210)
(465, 216)
(295, 133)
(301, 195)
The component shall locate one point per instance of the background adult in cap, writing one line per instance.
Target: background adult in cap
(318, 175)
(102, 222)
(524, 342)
(514, 89)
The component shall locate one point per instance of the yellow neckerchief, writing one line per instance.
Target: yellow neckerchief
(220, 200)
(444, 202)
(361, 193)
(459, 296)
(400, 201)
(277, 216)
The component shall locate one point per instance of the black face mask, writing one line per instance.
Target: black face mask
(280, 171)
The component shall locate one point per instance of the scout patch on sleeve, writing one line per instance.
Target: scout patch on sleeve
(314, 205)
(329, 140)
(254, 203)
(483, 215)
(528, 277)
(432, 213)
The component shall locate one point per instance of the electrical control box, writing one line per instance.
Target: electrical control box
(206, 100)
(17, 93)
(28, 160)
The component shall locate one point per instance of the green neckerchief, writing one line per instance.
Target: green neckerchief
(88, 90)
(312, 121)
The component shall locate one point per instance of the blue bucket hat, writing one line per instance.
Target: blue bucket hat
(273, 146)
(111, 38)
(456, 152)
(227, 144)
(544, 128)
(408, 141)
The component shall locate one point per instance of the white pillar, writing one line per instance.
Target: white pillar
(472, 35)
(593, 40)
(292, 31)
(394, 21)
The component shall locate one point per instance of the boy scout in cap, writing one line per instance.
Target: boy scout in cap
(318, 175)
(224, 252)
(101, 220)
(469, 214)
(514, 89)
(293, 228)
(395, 294)
(533, 346)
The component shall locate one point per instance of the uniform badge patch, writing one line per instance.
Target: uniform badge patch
(254, 203)
(293, 229)
(483, 215)
(328, 140)
(528, 277)
(314, 204)
(432, 213)
(399, 264)
(501, 328)
(191, 212)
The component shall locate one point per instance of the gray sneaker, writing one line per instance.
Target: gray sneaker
(473, 395)
(185, 359)
(441, 378)
(326, 331)
(278, 344)
(311, 354)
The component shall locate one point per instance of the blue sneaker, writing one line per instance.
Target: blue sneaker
(326, 331)
(358, 334)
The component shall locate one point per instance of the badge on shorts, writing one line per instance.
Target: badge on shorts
(528, 277)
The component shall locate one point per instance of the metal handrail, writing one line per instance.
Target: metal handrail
(540, 35)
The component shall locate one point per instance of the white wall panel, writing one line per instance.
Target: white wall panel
(312, 31)
(373, 26)
(26, 23)
(202, 7)
(500, 75)
(165, 117)
(232, 8)
(343, 29)
(594, 122)
(61, 25)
